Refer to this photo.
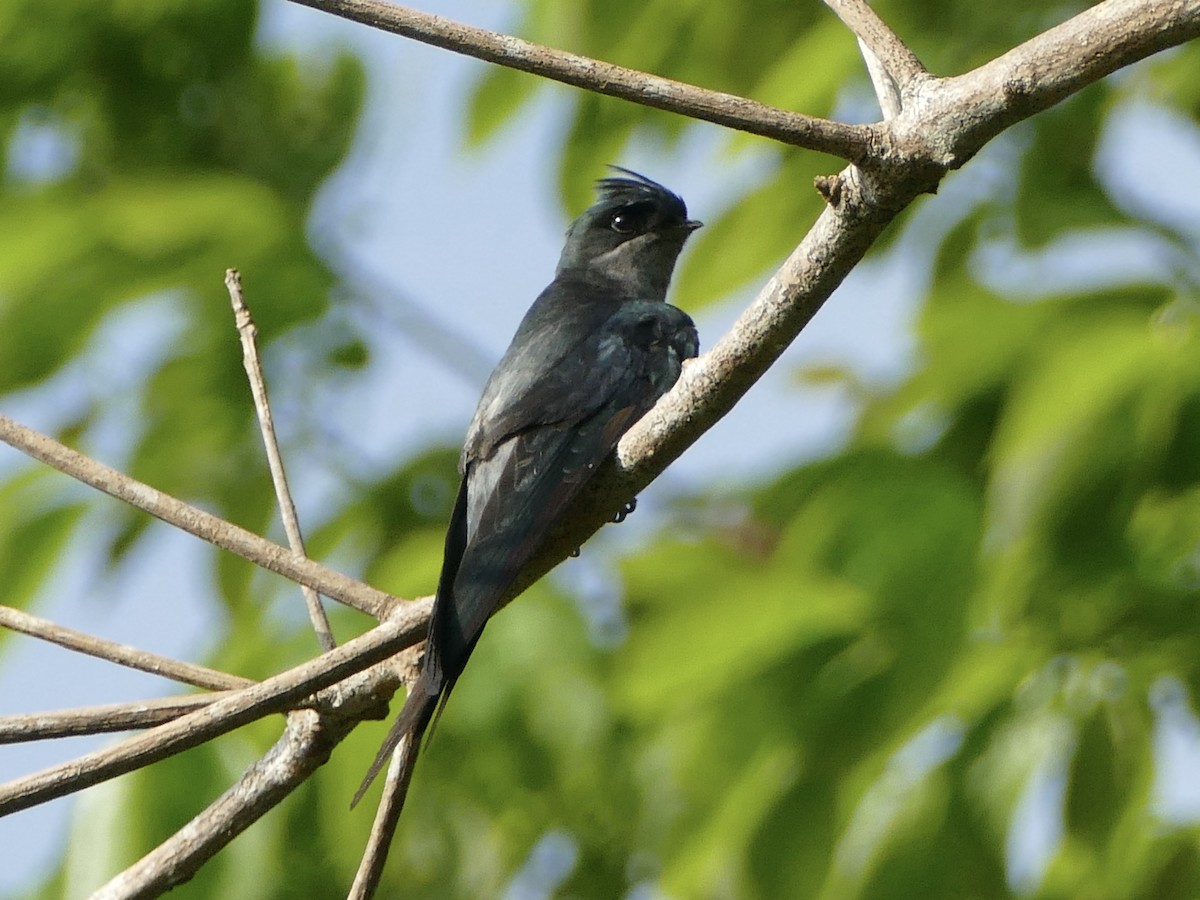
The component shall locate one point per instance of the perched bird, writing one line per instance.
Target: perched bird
(593, 354)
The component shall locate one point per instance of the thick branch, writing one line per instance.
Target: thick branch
(195, 521)
(851, 142)
(953, 118)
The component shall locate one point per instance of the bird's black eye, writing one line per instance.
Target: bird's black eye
(632, 219)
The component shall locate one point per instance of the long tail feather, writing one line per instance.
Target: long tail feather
(412, 722)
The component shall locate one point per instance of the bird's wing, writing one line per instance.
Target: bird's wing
(558, 332)
(516, 494)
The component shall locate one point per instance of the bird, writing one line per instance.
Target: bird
(592, 355)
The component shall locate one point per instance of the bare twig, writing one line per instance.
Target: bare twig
(391, 802)
(899, 64)
(383, 828)
(279, 692)
(100, 719)
(195, 521)
(851, 142)
(287, 508)
(122, 654)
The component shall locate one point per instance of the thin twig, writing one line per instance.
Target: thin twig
(121, 654)
(100, 719)
(898, 61)
(850, 142)
(387, 817)
(195, 521)
(279, 692)
(391, 801)
(287, 508)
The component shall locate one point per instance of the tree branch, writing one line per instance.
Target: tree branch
(886, 92)
(1036, 75)
(391, 801)
(121, 654)
(197, 522)
(943, 123)
(387, 817)
(850, 142)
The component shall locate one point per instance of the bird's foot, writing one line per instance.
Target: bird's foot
(624, 512)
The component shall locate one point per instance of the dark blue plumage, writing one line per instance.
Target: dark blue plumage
(592, 355)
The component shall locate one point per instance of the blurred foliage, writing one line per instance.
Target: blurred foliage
(854, 681)
(181, 149)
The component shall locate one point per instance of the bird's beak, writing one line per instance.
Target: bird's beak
(693, 224)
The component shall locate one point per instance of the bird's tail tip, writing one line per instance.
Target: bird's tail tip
(409, 727)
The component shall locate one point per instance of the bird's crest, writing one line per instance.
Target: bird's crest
(615, 192)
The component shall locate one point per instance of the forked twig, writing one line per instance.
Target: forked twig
(891, 64)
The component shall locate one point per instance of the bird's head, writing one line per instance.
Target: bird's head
(632, 233)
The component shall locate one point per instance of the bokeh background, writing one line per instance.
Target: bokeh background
(918, 619)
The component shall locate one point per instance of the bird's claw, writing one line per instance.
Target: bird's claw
(623, 513)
